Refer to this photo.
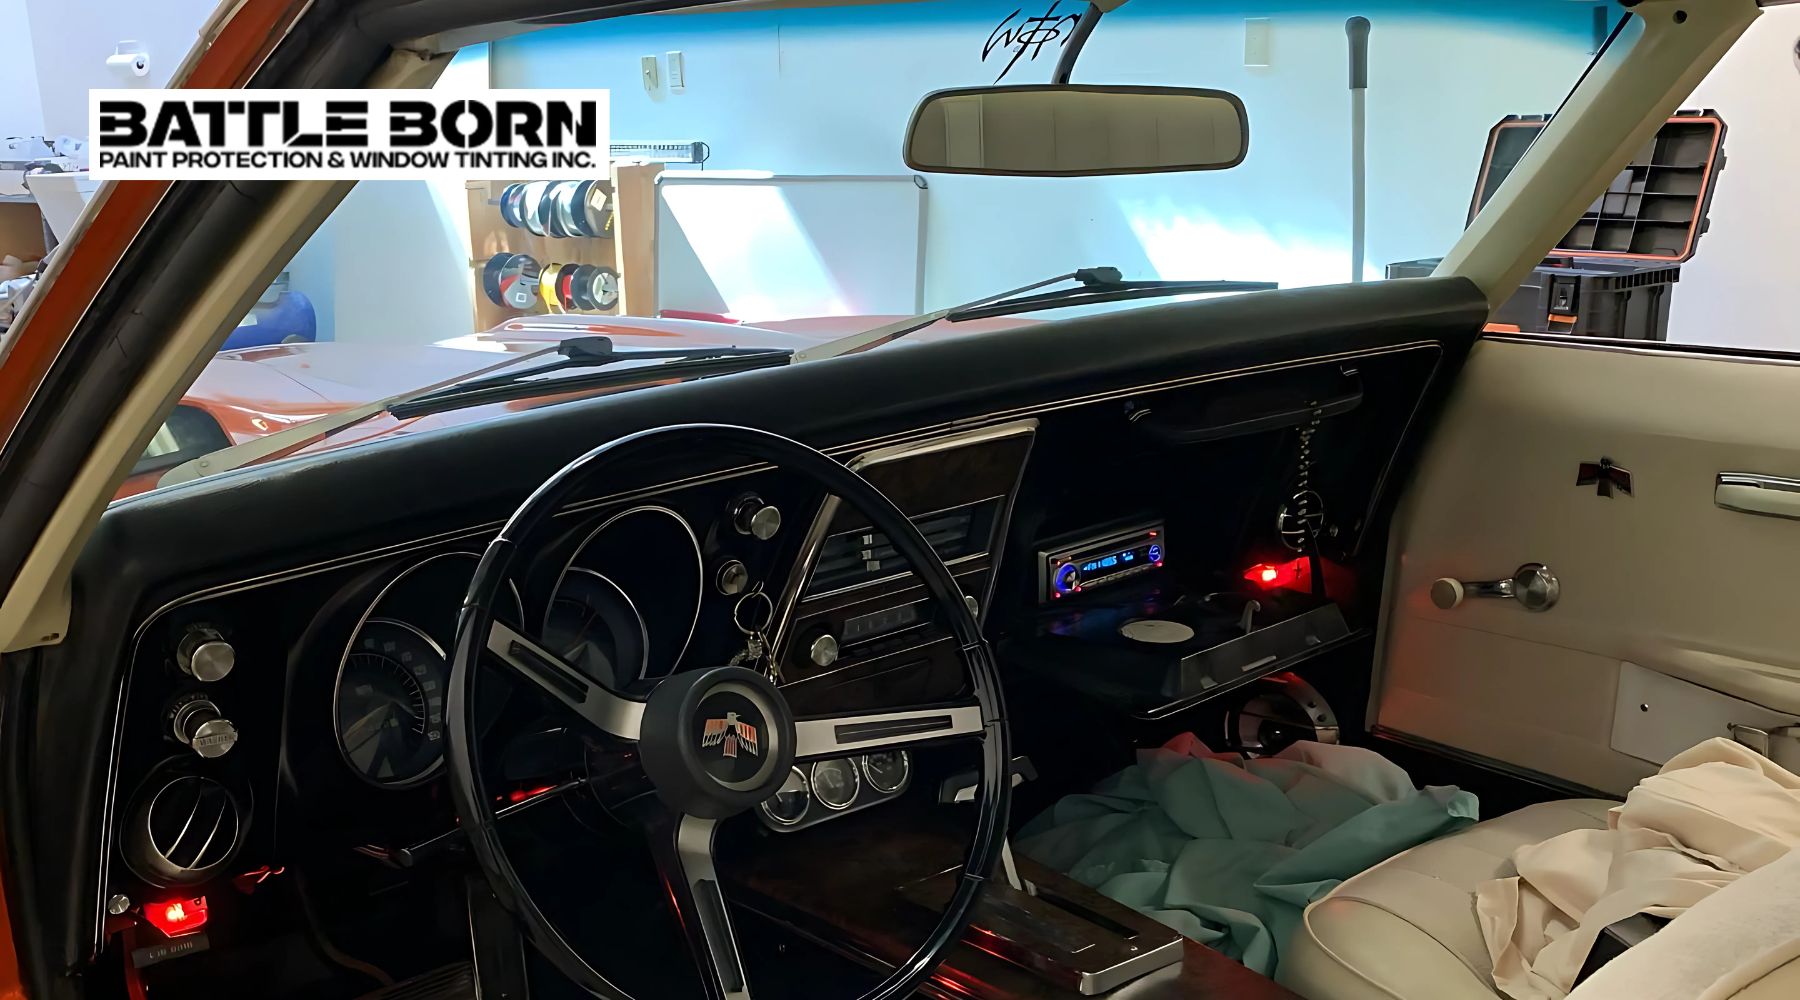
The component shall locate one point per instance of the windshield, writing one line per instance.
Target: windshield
(757, 197)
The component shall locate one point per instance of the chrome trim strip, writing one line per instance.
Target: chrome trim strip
(1136, 967)
(1612, 345)
(842, 735)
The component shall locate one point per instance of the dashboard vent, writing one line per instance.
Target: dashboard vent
(854, 558)
(184, 830)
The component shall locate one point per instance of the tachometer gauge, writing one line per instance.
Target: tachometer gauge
(835, 783)
(594, 626)
(887, 772)
(788, 806)
(389, 704)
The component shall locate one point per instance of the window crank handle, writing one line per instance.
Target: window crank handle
(1533, 586)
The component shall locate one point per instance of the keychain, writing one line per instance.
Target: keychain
(756, 644)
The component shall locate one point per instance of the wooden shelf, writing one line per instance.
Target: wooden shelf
(631, 250)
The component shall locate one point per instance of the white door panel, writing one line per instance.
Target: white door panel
(1663, 577)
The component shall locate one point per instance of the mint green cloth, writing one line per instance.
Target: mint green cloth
(1230, 852)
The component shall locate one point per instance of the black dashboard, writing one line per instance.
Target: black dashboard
(272, 709)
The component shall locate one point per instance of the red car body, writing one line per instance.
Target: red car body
(257, 391)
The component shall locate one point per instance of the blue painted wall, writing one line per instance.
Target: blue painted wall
(830, 90)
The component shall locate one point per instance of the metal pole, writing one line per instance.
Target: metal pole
(1357, 28)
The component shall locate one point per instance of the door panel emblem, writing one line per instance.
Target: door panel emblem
(730, 732)
(1605, 477)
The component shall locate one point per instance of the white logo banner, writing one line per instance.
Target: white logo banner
(346, 134)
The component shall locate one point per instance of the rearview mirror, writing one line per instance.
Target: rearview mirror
(1074, 131)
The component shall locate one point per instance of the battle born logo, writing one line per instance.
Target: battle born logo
(1026, 39)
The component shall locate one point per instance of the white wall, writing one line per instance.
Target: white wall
(1739, 290)
(391, 264)
(72, 39)
(20, 111)
(830, 91)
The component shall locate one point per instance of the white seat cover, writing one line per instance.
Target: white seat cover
(1406, 929)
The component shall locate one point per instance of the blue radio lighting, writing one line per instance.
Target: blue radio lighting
(1156, 553)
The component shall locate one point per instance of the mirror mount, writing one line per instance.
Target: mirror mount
(1065, 63)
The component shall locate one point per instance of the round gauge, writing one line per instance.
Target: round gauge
(650, 554)
(887, 772)
(593, 625)
(834, 783)
(389, 703)
(788, 806)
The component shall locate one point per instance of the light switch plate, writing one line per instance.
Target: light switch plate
(650, 74)
(677, 73)
(1256, 42)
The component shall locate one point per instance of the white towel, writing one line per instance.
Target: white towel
(1712, 814)
(1721, 945)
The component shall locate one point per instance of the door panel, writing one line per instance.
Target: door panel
(1662, 577)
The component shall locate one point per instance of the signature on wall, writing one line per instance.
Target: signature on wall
(1026, 39)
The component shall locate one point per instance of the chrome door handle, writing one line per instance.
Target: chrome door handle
(1533, 586)
(1749, 493)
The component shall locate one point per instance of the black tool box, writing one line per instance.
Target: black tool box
(1612, 276)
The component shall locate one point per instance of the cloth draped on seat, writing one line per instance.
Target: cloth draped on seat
(1711, 815)
(1229, 851)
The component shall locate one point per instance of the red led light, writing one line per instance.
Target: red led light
(177, 916)
(1295, 574)
(521, 794)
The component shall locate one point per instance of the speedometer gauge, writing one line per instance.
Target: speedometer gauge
(389, 704)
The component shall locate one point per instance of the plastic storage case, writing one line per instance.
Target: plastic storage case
(1613, 274)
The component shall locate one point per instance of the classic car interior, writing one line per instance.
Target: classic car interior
(657, 704)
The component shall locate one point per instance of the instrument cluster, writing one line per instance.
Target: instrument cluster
(833, 787)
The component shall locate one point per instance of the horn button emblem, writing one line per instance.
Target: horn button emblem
(716, 742)
(729, 737)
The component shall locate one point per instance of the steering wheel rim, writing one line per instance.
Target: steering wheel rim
(704, 914)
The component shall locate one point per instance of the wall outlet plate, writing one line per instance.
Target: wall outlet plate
(1256, 42)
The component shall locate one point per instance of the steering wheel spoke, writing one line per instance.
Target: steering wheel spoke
(841, 735)
(605, 710)
(684, 853)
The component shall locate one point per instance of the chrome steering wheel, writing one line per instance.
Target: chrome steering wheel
(696, 782)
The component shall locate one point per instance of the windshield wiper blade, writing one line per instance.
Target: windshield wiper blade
(582, 352)
(681, 366)
(484, 385)
(1106, 291)
(1098, 284)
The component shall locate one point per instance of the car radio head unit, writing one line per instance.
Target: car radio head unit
(1078, 564)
